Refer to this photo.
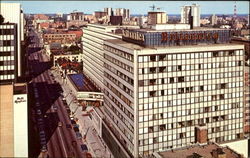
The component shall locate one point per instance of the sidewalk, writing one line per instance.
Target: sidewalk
(93, 141)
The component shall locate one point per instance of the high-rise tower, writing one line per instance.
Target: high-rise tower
(235, 9)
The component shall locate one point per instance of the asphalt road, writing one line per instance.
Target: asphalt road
(49, 111)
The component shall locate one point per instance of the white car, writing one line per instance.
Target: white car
(38, 112)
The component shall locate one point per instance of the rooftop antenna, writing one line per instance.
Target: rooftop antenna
(153, 7)
(235, 10)
(159, 8)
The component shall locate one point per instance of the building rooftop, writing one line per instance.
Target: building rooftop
(82, 83)
(201, 151)
(133, 46)
(177, 30)
(243, 39)
(20, 88)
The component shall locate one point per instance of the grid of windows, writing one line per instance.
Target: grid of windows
(176, 93)
(119, 93)
(180, 91)
(7, 53)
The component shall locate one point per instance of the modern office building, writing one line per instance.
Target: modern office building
(191, 15)
(213, 19)
(92, 45)
(76, 16)
(100, 14)
(109, 11)
(165, 89)
(246, 43)
(8, 53)
(13, 120)
(12, 13)
(76, 19)
(247, 101)
(157, 17)
(122, 12)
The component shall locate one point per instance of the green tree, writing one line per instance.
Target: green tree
(1, 19)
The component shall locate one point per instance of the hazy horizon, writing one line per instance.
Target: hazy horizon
(136, 7)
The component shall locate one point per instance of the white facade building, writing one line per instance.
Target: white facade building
(20, 103)
(109, 11)
(92, 42)
(13, 13)
(156, 97)
(191, 15)
(122, 12)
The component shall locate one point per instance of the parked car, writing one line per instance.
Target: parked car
(60, 124)
(84, 147)
(78, 135)
(54, 107)
(44, 148)
(38, 112)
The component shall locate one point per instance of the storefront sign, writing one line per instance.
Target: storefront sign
(133, 35)
(166, 36)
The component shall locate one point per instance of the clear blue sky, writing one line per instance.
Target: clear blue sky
(136, 7)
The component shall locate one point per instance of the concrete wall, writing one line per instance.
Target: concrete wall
(6, 121)
(20, 125)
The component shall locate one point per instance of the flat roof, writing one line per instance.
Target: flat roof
(82, 83)
(177, 30)
(202, 150)
(133, 46)
(124, 44)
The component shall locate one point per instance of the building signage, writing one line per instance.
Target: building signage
(172, 38)
(133, 35)
(166, 36)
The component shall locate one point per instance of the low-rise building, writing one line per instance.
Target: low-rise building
(70, 57)
(84, 90)
(63, 38)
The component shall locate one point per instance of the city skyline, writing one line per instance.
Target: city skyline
(171, 7)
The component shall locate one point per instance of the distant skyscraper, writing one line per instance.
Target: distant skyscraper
(13, 13)
(122, 12)
(77, 16)
(235, 9)
(109, 11)
(191, 15)
(213, 19)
